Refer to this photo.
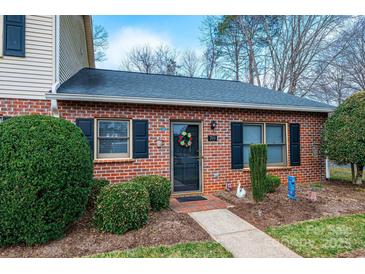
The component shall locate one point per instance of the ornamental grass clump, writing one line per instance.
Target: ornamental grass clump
(258, 161)
(122, 207)
(159, 189)
(45, 178)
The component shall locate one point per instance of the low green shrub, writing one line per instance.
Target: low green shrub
(122, 207)
(159, 189)
(45, 178)
(96, 186)
(258, 161)
(272, 183)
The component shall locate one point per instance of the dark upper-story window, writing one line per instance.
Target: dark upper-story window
(14, 35)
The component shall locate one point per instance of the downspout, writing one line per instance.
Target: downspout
(328, 164)
(56, 84)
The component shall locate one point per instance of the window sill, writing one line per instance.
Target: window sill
(105, 161)
(272, 168)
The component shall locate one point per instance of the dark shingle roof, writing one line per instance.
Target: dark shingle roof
(110, 83)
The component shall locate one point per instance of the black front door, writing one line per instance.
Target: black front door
(186, 159)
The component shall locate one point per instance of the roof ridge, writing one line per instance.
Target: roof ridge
(171, 75)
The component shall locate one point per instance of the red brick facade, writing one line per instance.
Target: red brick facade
(216, 155)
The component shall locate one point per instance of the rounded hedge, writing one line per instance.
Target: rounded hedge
(159, 189)
(96, 186)
(45, 178)
(344, 132)
(121, 207)
(272, 183)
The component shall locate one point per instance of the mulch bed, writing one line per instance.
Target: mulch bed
(333, 199)
(165, 227)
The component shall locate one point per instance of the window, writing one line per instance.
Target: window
(14, 35)
(252, 134)
(276, 145)
(274, 135)
(113, 139)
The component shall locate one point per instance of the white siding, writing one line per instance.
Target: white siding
(30, 76)
(73, 49)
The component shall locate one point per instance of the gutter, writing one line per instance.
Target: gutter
(56, 84)
(176, 102)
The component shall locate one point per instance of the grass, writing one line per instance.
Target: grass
(327, 237)
(185, 250)
(342, 174)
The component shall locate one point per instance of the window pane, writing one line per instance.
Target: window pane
(246, 154)
(275, 134)
(113, 129)
(275, 154)
(252, 134)
(113, 146)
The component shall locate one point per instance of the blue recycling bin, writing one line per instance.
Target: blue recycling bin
(291, 188)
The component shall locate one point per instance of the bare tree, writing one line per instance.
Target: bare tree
(166, 60)
(209, 40)
(333, 87)
(353, 54)
(141, 59)
(190, 63)
(298, 48)
(231, 48)
(100, 39)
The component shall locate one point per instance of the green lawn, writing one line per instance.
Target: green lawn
(341, 174)
(323, 238)
(187, 250)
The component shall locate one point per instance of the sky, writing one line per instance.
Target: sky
(126, 32)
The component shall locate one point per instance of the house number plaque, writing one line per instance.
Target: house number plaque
(212, 138)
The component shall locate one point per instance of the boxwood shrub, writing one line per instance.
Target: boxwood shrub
(45, 178)
(96, 186)
(122, 207)
(159, 189)
(272, 183)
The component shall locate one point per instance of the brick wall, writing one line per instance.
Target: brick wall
(217, 155)
(16, 107)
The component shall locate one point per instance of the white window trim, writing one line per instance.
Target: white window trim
(263, 140)
(103, 156)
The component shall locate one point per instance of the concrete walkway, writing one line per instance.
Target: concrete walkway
(239, 237)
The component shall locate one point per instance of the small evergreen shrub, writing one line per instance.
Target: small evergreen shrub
(45, 178)
(272, 183)
(258, 161)
(96, 186)
(159, 190)
(122, 207)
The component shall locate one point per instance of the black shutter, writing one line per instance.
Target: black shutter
(87, 127)
(236, 145)
(14, 35)
(294, 144)
(140, 139)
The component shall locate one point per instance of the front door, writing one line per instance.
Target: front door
(186, 157)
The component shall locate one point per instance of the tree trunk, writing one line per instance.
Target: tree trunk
(353, 173)
(359, 174)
